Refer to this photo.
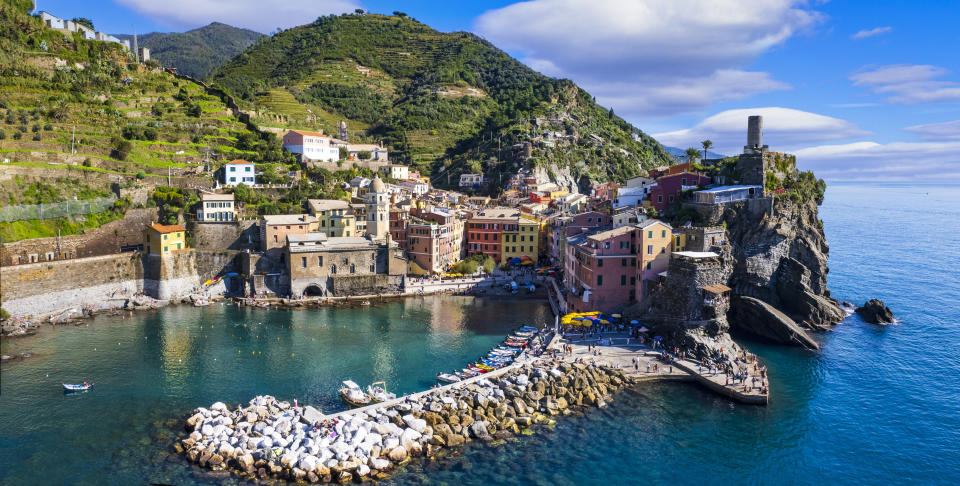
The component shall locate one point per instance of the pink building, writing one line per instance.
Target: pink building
(602, 270)
(669, 187)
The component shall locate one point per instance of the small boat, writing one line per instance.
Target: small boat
(377, 392)
(366, 302)
(353, 394)
(72, 388)
(516, 344)
(448, 378)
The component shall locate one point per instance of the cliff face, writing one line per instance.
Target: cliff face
(780, 258)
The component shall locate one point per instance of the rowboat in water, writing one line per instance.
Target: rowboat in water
(378, 392)
(72, 388)
(351, 393)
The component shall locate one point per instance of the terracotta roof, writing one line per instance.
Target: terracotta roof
(716, 289)
(166, 228)
(239, 162)
(312, 134)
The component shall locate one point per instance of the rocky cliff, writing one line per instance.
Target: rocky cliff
(780, 259)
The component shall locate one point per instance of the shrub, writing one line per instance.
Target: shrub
(17, 135)
(36, 137)
(48, 127)
(141, 175)
(3, 135)
(87, 162)
(121, 148)
(4, 315)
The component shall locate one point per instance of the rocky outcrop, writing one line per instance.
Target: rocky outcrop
(875, 312)
(780, 258)
(765, 321)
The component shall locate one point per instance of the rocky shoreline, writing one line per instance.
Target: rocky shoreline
(272, 438)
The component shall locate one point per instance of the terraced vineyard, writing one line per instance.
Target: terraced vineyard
(446, 103)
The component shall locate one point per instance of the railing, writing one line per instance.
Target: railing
(56, 210)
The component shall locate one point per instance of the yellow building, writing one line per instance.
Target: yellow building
(521, 242)
(334, 217)
(162, 239)
(679, 240)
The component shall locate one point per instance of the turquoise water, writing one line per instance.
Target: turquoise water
(156, 366)
(874, 406)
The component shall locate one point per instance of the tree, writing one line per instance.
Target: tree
(84, 21)
(706, 146)
(359, 11)
(344, 153)
(692, 155)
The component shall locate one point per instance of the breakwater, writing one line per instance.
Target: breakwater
(272, 438)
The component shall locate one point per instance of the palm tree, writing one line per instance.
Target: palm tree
(692, 155)
(706, 146)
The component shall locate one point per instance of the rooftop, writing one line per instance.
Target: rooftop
(305, 132)
(166, 228)
(604, 235)
(729, 188)
(239, 162)
(498, 213)
(696, 254)
(216, 197)
(327, 204)
(278, 219)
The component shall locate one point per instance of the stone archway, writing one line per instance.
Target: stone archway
(313, 291)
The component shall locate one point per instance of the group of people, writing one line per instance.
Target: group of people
(327, 427)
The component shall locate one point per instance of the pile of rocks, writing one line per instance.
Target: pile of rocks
(272, 438)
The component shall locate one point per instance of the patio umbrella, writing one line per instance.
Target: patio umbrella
(642, 329)
(634, 322)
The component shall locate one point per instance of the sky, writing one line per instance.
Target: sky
(858, 90)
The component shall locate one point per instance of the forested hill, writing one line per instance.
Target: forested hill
(197, 52)
(448, 103)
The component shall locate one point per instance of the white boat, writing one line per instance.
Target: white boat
(377, 392)
(351, 393)
(447, 378)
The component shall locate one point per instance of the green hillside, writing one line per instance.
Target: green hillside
(447, 103)
(70, 103)
(197, 52)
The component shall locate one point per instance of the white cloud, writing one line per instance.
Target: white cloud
(908, 83)
(259, 15)
(863, 34)
(895, 161)
(641, 56)
(937, 131)
(783, 128)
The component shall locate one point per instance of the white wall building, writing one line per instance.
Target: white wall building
(312, 145)
(216, 208)
(239, 172)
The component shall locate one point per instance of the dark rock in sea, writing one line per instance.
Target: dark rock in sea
(875, 312)
(763, 320)
(847, 304)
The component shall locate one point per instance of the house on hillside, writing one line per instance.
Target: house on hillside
(312, 146)
(471, 181)
(669, 187)
(375, 152)
(238, 172)
(216, 208)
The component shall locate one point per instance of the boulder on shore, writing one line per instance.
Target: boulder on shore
(875, 312)
(763, 320)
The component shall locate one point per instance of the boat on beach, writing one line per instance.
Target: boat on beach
(352, 394)
(448, 378)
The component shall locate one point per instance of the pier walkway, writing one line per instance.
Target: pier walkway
(649, 367)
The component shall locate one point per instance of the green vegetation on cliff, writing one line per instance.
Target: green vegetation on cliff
(447, 103)
(199, 51)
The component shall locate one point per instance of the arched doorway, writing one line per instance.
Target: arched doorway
(313, 291)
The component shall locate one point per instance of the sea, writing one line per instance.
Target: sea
(876, 405)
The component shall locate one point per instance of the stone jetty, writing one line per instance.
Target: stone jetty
(272, 438)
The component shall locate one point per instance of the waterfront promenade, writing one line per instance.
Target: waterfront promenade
(641, 363)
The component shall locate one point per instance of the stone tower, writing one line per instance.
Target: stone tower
(342, 131)
(754, 135)
(378, 210)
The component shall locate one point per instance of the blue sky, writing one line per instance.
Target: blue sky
(859, 90)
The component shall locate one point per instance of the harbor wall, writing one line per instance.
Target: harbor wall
(48, 287)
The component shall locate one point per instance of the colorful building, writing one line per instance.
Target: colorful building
(602, 271)
(162, 239)
(275, 228)
(216, 208)
(521, 241)
(239, 172)
(654, 241)
(334, 217)
(485, 231)
(669, 187)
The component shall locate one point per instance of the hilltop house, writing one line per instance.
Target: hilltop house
(312, 145)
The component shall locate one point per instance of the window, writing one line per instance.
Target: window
(599, 280)
(623, 262)
(320, 260)
(649, 234)
(303, 262)
(649, 249)
(671, 198)
(648, 265)
(333, 269)
(165, 249)
(179, 246)
(353, 268)
(663, 234)
(663, 250)
(623, 280)
(659, 199)
(633, 280)
(373, 268)
(599, 262)
(275, 238)
(164, 236)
